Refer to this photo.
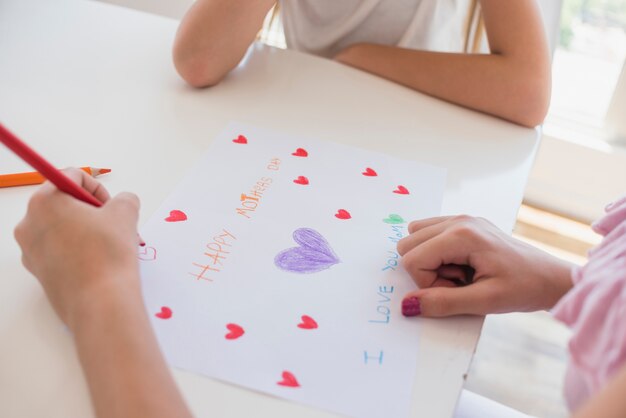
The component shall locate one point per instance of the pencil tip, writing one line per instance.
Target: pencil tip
(105, 170)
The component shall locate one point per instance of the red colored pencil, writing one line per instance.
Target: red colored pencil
(56, 177)
(46, 169)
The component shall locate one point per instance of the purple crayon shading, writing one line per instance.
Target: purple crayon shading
(314, 253)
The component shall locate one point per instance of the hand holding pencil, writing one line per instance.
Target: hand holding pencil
(82, 255)
(46, 169)
(62, 182)
(85, 258)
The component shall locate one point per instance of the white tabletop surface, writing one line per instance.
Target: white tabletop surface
(88, 83)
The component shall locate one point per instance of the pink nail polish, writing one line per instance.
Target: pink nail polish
(411, 307)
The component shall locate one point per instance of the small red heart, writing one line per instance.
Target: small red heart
(289, 380)
(401, 190)
(241, 140)
(176, 216)
(369, 172)
(147, 254)
(307, 322)
(343, 214)
(301, 180)
(300, 152)
(166, 313)
(235, 331)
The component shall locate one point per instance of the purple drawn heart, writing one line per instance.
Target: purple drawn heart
(313, 255)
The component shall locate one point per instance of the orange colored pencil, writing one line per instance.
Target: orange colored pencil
(24, 179)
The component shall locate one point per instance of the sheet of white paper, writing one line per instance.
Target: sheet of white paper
(291, 285)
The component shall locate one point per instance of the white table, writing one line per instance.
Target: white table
(92, 84)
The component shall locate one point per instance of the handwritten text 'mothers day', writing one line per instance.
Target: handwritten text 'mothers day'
(219, 248)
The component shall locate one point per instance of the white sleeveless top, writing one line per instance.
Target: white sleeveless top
(325, 27)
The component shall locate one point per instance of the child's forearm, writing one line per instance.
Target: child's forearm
(214, 36)
(513, 82)
(124, 367)
(492, 84)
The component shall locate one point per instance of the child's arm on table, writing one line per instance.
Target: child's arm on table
(512, 82)
(510, 276)
(85, 259)
(213, 37)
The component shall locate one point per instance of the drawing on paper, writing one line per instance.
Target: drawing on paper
(236, 331)
(147, 254)
(232, 297)
(289, 380)
(312, 255)
(394, 219)
(176, 216)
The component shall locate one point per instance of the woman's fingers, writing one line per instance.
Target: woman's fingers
(422, 223)
(465, 265)
(480, 298)
(461, 274)
(451, 247)
(425, 229)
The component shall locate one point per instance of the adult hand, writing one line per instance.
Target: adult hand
(78, 252)
(465, 265)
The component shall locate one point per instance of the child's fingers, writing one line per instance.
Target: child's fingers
(125, 206)
(476, 299)
(88, 183)
(83, 179)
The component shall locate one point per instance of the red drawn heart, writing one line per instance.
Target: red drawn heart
(176, 216)
(307, 322)
(401, 190)
(369, 172)
(166, 313)
(241, 140)
(235, 331)
(343, 214)
(289, 380)
(300, 152)
(147, 254)
(301, 180)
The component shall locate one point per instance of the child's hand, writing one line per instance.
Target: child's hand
(508, 275)
(79, 253)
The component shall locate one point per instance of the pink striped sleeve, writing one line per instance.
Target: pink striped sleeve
(595, 310)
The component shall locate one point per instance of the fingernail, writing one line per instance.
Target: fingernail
(411, 307)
